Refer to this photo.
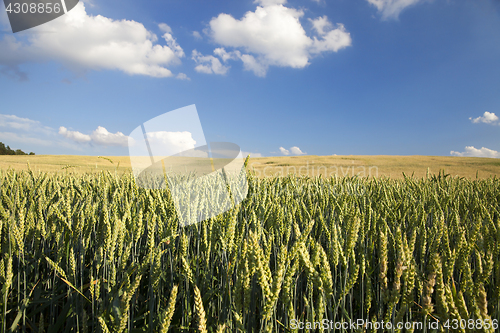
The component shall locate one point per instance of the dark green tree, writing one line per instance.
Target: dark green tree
(8, 151)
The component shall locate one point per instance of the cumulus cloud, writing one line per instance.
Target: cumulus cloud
(296, 151)
(168, 143)
(103, 137)
(392, 8)
(182, 76)
(208, 64)
(28, 134)
(273, 32)
(273, 35)
(225, 56)
(83, 42)
(100, 136)
(331, 39)
(197, 35)
(171, 42)
(487, 118)
(471, 151)
(252, 64)
(31, 133)
(322, 25)
(284, 151)
(74, 135)
(292, 151)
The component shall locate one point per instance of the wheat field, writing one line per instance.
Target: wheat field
(92, 252)
(311, 166)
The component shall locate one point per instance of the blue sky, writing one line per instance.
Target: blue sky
(360, 77)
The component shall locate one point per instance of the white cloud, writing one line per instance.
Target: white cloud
(274, 32)
(470, 151)
(100, 136)
(284, 151)
(272, 35)
(164, 143)
(322, 25)
(392, 8)
(103, 137)
(18, 131)
(74, 135)
(487, 118)
(171, 42)
(182, 76)
(292, 151)
(251, 64)
(296, 151)
(331, 39)
(165, 28)
(83, 42)
(225, 56)
(24, 124)
(197, 35)
(208, 64)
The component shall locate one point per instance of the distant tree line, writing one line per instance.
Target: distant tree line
(8, 151)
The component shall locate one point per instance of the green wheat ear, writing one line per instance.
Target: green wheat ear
(69, 166)
(165, 324)
(106, 158)
(104, 255)
(246, 160)
(200, 311)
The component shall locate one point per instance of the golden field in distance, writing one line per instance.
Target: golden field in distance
(311, 165)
